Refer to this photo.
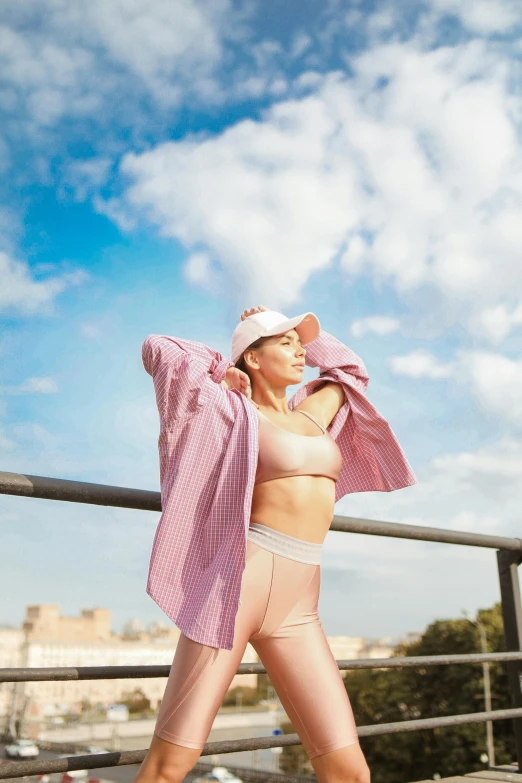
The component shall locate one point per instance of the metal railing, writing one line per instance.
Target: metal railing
(509, 556)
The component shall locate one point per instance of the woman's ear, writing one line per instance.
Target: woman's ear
(251, 360)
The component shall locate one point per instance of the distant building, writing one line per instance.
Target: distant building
(47, 699)
(378, 648)
(347, 648)
(11, 641)
(47, 639)
(44, 621)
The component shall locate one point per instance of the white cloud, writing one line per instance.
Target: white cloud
(21, 293)
(497, 322)
(75, 59)
(32, 386)
(496, 383)
(477, 491)
(411, 172)
(300, 44)
(375, 324)
(357, 255)
(91, 331)
(198, 268)
(5, 443)
(85, 176)
(136, 421)
(420, 364)
(163, 43)
(501, 462)
(40, 386)
(494, 380)
(244, 196)
(453, 488)
(4, 158)
(483, 16)
(37, 435)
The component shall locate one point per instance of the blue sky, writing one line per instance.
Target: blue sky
(165, 165)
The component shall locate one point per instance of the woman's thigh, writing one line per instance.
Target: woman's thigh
(304, 673)
(200, 676)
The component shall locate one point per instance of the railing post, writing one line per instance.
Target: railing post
(508, 563)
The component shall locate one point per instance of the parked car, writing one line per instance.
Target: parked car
(218, 775)
(22, 749)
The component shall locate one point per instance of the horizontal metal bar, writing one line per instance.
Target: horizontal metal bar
(78, 492)
(372, 527)
(146, 500)
(51, 674)
(102, 760)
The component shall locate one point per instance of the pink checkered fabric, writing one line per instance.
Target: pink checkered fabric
(208, 446)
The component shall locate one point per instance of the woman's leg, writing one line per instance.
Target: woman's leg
(199, 679)
(346, 765)
(166, 763)
(302, 668)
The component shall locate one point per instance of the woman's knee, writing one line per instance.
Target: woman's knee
(346, 765)
(359, 773)
(363, 774)
(166, 762)
(168, 772)
(351, 774)
(162, 771)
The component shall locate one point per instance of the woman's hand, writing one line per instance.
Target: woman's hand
(258, 309)
(237, 379)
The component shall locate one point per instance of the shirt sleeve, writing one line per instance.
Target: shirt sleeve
(186, 375)
(328, 353)
(372, 456)
(337, 363)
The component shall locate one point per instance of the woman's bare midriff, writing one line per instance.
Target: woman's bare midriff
(300, 506)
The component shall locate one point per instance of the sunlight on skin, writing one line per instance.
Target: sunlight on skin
(166, 762)
(169, 763)
(346, 764)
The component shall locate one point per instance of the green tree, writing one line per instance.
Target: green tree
(136, 701)
(247, 696)
(294, 758)
(263, 685)
(382, 696)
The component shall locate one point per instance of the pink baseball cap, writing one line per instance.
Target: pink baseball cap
(270, 324)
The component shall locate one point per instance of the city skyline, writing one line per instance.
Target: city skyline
(47, 638)
(132, 628)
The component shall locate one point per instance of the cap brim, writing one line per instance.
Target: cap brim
(306, 325)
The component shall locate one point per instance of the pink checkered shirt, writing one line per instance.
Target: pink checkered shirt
(208, 446)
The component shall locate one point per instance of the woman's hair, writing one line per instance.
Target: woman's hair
(241, 364)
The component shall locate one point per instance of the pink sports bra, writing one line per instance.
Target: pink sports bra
(283, 453)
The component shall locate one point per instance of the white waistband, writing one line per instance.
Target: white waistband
(286, 546)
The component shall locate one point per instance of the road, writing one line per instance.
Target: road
(137, 734)
(124, 774)
(263, 759)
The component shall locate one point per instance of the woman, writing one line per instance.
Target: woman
(248, 482)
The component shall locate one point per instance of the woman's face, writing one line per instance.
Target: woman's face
(281, 359)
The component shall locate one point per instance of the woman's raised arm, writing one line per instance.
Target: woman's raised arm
(186, 375)
(338, 365)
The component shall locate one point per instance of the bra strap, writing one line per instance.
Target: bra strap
(305, 413)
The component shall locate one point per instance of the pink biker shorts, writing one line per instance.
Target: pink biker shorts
(278, 616)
